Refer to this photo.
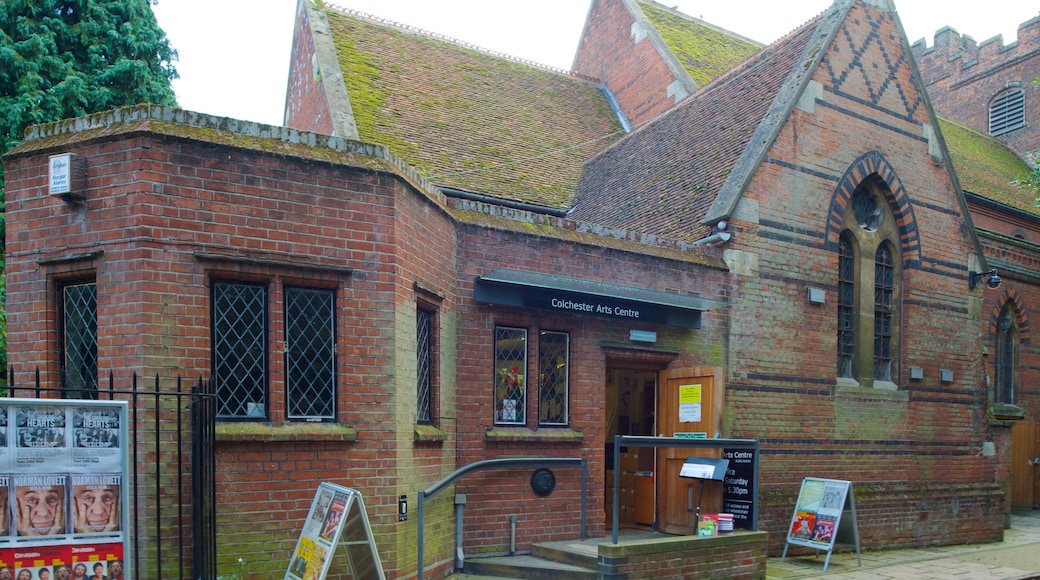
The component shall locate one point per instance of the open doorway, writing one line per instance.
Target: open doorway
(631, 405)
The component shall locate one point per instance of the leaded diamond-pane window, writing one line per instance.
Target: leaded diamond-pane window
(846, 305)
(510, 375)
(884, 286)
(310, 354)
(424, 365)
(79, 340)
(552, 377)
(240, 350)
(1007, 112)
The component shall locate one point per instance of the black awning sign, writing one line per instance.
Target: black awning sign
(541, 291)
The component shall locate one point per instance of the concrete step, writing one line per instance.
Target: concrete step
(582, 555)
(526, 567)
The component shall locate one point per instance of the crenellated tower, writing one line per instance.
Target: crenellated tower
(987, 86)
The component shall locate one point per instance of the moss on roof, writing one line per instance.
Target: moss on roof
(705, 51)
(468, 119)
(985, 167)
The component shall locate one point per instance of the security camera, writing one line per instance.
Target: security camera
(993, 281)
(991, 277)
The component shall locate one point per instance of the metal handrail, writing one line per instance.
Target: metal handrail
(497, 464)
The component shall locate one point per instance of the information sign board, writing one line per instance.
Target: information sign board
(825, 509)
(739, 486)
(63, 488)
(337, 519)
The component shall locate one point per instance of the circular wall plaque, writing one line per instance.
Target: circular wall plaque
(543, 481)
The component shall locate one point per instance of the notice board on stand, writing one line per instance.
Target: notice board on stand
(825, 514)
(337, 521)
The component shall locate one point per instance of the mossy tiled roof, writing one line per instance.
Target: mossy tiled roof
(468, 119)
(663, 178)
(985, 167)
(704, 50)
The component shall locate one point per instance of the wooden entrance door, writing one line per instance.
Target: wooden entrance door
(687, 403)
(1025, 448)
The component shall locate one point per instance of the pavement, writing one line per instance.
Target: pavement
(1015, 558)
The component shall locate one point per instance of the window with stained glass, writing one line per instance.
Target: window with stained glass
(510, 375)
(553, 363)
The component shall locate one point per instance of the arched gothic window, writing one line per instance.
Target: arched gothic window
(869, 274)
(1006, 372)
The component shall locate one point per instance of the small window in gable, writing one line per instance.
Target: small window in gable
(1007, 112)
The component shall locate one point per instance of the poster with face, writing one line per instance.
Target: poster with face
(96, 503)
(39, 504)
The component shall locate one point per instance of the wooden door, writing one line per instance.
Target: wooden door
(1025, 448)
(687, 403)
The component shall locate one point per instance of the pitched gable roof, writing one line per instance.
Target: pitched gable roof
(986, 167)
(704, 50)
(664, 177)
(468, 119)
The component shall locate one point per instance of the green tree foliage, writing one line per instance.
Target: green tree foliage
(67, 58)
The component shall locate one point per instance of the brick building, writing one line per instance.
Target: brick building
(988, 86)
(987, 89)
(533, 261)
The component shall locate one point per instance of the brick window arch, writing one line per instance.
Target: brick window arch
(1007, 112)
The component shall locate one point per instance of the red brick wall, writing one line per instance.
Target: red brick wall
(727, 556)
(307, 107)
(962, 78)
(634, 71)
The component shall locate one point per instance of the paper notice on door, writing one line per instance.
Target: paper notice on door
(690, 403)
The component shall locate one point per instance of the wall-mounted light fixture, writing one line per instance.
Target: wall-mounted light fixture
(648, 336)
(992, 279)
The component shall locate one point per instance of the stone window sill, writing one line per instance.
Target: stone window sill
(872, 394)
(321, 432)
(544, 435)
(429, 434)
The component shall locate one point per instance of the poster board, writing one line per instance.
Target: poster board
(824, 511)
(337, 519)
(739, 489)
(64, 488)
